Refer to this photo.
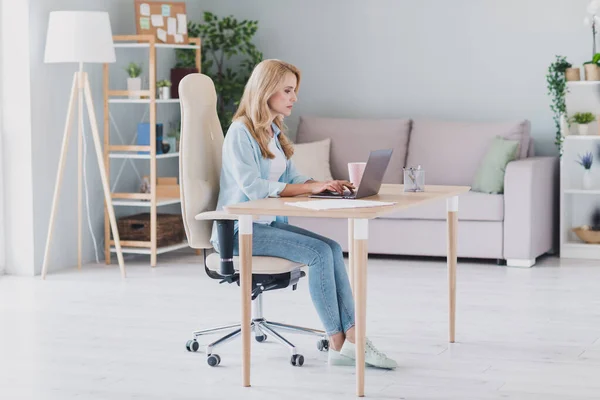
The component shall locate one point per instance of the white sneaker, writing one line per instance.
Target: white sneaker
(373, 357)
(335, 358)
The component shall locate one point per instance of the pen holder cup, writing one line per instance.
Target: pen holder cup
(414, 179)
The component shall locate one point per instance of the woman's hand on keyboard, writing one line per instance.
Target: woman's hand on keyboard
(333, 186)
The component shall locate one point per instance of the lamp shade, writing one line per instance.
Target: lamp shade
(79, 36)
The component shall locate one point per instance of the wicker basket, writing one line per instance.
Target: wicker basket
(587, 235)
(169, 228)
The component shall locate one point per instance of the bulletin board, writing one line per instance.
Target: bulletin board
(167, 21)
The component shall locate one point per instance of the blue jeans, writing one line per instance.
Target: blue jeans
(328, 281)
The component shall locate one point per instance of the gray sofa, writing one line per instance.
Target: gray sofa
(517, 226)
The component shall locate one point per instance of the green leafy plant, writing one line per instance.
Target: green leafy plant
(228, 58)
(134, 70)
(557, 89)
(583, 118)
(163, 83)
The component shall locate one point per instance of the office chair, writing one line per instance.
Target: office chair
(199, 172)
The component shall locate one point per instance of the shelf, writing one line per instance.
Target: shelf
(144, 203)
(143, 101)
(142, 156)
(160, 250)
(583, 83)
(582, 137)
(583, 191)
(158, 45)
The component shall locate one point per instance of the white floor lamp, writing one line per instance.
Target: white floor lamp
(80, 37)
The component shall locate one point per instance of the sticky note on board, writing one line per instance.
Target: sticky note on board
(144, 22)
(171, 26)
(182, 24)
(178, 38)
(157, 20)
(145, 9)
(166, 10)
(161, 34)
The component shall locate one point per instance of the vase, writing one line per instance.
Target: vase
(587, 179)
(172, 141)
(572, 74)
(164, 93)
(134, 84)
(583, 129)
(592, 72)
(177, 74)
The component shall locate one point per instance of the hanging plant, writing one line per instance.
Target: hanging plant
(557, 89)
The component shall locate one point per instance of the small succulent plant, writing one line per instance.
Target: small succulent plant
(586, 160)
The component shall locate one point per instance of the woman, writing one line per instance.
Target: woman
(256, 164)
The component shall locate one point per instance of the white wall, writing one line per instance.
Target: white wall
(16, 139)
(459, 59)
(2, 190)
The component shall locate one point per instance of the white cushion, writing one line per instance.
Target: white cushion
(260, 264)
(312, 159)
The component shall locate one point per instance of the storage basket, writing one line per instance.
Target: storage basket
(169, 228)
(587, 235)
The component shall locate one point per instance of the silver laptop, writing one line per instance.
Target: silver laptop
(371, 180)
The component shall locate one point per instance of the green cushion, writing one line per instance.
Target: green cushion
(490, 175)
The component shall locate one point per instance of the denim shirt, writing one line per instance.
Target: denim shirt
(245, 172)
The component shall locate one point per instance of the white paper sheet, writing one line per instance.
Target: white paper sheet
(182, 24)
(162, 34)
(328, 204)
(157, 20)
(178, 38)
(171, 26)
(145, 9)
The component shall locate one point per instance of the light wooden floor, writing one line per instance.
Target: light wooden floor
(522, 334)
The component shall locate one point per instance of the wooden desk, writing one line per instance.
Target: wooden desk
(358, 235)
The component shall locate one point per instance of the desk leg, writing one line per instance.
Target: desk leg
(452, 223)
(351, 252)
(245, 233)
(360, 250)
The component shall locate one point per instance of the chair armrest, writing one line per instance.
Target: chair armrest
(216, 215)
(530, 207)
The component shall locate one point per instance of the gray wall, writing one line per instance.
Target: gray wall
(460, 59)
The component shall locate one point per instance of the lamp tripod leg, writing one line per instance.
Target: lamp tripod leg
(59, 174)
(107, 197)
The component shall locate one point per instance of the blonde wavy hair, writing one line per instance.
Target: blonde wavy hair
(266, 79)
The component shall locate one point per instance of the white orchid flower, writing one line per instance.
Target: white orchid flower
(593, 7)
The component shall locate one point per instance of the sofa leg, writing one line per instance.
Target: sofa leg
(520, 262)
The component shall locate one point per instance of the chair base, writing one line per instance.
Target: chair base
(261, 329)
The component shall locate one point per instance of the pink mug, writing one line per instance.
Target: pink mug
(355, 171)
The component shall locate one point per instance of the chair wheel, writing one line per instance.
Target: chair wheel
(323, 345)
(297, 360)
(213, 360)
(261, 338)
(192, 345)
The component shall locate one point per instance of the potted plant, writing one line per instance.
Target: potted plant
(186, 61)
(557, 89)
(592, 68)
(164, 89)
(228, 58)
(586, 162)
(134, 82)
(583, 120)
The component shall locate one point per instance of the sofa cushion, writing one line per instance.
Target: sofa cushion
(472, 206)
(312, 159)
(451, 152)
(353, 139)
(490, 174)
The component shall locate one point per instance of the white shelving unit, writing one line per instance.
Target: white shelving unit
(577, 204)
(132, 152)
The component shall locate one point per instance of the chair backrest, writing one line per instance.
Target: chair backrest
(200, 148)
